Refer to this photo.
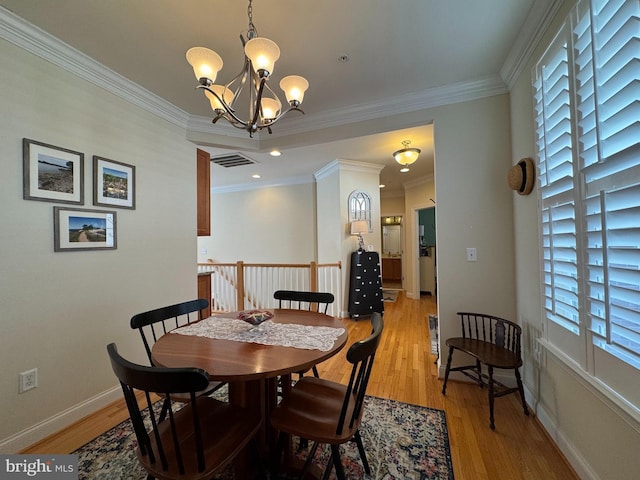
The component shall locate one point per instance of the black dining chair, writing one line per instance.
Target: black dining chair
(196, 440)
(301, 300)
(326, 412)
(155, 323)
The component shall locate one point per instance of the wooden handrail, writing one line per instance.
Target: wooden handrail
(238, 283)
(274, 265)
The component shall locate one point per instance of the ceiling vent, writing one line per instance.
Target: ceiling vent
(232, 160)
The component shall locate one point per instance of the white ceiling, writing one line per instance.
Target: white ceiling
(400, 52)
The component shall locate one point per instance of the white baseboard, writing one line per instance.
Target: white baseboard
(573, 456)
(53, 424)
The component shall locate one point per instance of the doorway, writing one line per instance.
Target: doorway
(392, 252)
(427, 260)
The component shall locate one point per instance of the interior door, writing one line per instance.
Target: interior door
(391, 239)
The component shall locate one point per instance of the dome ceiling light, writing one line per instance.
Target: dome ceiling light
(406, 155)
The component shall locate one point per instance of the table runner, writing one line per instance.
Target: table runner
(267, 333)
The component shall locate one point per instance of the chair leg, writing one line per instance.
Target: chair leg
(262, 471)
(328, 469)
(363, 455)
(275, 459)
(521, 391)
(309, 459)
(446, 372)
(491, 399)
(166, 404)
(315, 372)
(337, 462)
(479, 370)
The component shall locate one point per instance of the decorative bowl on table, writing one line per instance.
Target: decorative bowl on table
(255, 317)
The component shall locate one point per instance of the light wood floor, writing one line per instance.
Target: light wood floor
(405, 371)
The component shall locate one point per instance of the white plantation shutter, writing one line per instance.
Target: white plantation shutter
(612, 195)
(557, 184)
(587, 107)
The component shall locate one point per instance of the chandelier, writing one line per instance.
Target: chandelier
(260, 55)
(406, 155)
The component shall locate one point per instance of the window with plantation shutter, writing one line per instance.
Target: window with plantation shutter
(587, 120)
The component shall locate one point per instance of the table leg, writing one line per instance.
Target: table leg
(260, 395)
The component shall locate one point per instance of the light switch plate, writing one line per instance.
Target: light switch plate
(472, 254)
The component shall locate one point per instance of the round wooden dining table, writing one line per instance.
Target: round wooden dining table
(251, 369)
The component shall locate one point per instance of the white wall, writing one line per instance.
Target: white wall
(267, 225)
(599, 440)
(472, 157)
(58, 311)
(336, 181)
(391, 204)
(417, 196)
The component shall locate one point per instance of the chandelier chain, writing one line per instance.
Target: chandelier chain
(252, 32)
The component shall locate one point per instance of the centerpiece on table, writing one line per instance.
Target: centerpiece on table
(255, 317)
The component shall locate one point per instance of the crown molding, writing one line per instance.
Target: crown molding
(428, 98)
(347, 165)
(538, 20)
(281, 182)
(200, 124)
(44, 45)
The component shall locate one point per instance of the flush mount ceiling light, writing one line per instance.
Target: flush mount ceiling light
(260, 55)
(406, 155)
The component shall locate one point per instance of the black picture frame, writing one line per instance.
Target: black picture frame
(114, 183)
(77, 229)
(52, 173)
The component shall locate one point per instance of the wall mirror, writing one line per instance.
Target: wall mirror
(391, 235)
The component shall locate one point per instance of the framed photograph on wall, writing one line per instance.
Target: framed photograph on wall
(114, 183)
(52, 174)
(80, 229)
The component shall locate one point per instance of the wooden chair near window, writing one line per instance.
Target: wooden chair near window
(300, 300)
(194, 441)
(326, 412)
(155, 323)
(493, 342)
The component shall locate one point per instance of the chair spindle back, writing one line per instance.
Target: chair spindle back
(361, 354)
(489, 328)
(315, 301)
(166, 381)
(155, 323)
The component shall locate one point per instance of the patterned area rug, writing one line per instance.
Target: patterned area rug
(402, 441)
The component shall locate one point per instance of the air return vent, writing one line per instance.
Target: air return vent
(232, 160)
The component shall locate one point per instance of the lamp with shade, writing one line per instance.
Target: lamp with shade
(358, 227)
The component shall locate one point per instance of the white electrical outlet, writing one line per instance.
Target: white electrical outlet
(28, 380)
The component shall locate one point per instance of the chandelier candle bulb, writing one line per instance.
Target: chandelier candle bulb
(223, 93)
(206, 64)
(294, 87)
(263, 54)
(270, 108)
